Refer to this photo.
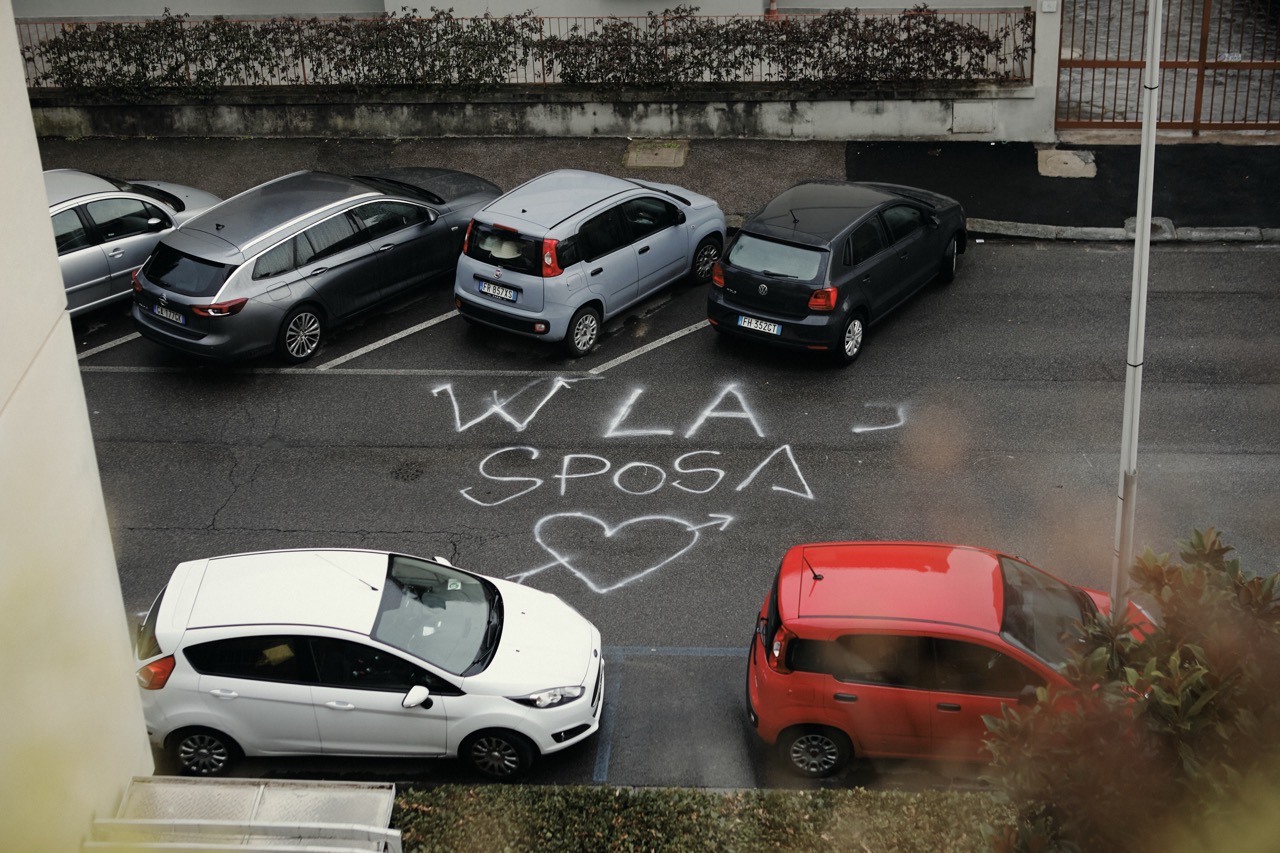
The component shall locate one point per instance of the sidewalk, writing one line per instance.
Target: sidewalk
(1084, 188)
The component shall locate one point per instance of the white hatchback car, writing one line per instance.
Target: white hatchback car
(363, 653)
(560, 254)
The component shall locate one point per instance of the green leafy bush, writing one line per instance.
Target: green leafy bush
(673, 48)
(1162, 739)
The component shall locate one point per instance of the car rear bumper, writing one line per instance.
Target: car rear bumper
(813, 332)
(222, 347)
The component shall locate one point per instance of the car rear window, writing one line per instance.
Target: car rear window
(147, 646)
(505, 248)
(769, 257)
(183, 273)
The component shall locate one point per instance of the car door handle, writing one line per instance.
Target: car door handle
(846, 697)
(318, 271)
(597, 271)
(116, 253)
(948, 706)
(340, 706)
(643, 249)
(387, 246)
(904, 255)
(223, 693)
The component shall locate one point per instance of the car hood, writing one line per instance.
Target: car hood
(545, 643)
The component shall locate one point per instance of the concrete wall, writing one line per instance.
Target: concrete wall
(73, 733)
(95, 10)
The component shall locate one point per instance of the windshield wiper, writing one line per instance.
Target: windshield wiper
(773, 274)
(492, 634)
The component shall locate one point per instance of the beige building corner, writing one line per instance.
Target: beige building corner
(72, 733)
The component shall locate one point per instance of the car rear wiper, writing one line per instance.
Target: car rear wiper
(773, 274)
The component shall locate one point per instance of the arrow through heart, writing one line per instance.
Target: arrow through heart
(624, 553)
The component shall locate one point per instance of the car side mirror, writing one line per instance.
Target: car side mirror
(680, 217)
(417, 695)
(934, 222)
(432, 216)
(1027, 698)
(155, 224)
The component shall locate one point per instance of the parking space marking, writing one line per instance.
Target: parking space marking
(117, 342)
(388, 340)
(644, 349)
(614, 658)
(348, 371)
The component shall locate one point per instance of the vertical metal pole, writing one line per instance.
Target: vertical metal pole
(1126, 499)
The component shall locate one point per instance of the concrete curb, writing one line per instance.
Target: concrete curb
(1161, 232)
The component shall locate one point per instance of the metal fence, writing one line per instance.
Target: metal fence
(298, 63)
(1220, 69)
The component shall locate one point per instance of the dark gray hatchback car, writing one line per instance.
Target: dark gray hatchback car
(826, 259)
(274, 267)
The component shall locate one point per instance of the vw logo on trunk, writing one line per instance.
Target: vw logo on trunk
(764, 289)
(497, 273)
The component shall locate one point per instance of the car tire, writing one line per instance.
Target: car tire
(203, 752)
(705, 257)
(815, 752)
(947, 266)
(300, 334)
(498, 755)
(849, 344)
(584, 331)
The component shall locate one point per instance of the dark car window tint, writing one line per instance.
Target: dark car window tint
(505, 248)
(645, 216)
(346, 664)
(1041, 613)
(333, 235)
(69, 231)
(185, 273)
(768, 257)
(603, 233)
(868, 658)
(275, 261)
(902, 219)
(266, 658)
(380, 218)
(866, 242)
(970, 668)
(124, 217)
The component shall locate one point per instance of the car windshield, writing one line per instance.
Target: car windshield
(183, 273)
(1041, 613)
(505, 248)
(444, 616)
(781, 260)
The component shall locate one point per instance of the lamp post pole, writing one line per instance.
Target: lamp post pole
(1127, 496)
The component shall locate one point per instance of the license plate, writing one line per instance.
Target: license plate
(168, 314)
(759, 325)
(498, 290)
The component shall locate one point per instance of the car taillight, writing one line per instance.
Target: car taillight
(154, 675)
(550, 263)
(717, 274)
(777, 656)
(137, 285)
(466, 241)
(220, 309)
(824, 299)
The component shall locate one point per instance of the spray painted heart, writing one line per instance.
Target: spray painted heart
(606, 557)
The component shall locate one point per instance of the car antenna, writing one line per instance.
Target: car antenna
(809, 566)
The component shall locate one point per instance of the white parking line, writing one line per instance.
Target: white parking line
(350, 371)
(108, 346)
(382, 343)
(644, 349)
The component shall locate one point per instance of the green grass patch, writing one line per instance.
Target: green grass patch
(492, 818)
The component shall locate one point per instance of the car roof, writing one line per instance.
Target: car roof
(334, 588)
(65, 184)
(549, 199)
(245, 218)
(907, 582)
(817, 212)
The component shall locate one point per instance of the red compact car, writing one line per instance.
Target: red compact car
(898, 649)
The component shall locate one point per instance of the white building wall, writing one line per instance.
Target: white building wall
(72, 733)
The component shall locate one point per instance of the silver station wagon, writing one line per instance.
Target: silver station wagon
(105, 228)
(276, 266)
(557, 256)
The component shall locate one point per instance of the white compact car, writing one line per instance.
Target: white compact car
(561, 254)
(363, 653)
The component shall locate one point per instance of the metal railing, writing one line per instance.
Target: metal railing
(528, 56)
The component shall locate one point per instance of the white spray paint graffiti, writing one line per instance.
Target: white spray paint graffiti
(592, 576)
(698, 472)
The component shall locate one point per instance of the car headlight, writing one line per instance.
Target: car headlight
(549, 698)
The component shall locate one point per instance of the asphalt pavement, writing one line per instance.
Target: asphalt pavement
(1082, 188)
